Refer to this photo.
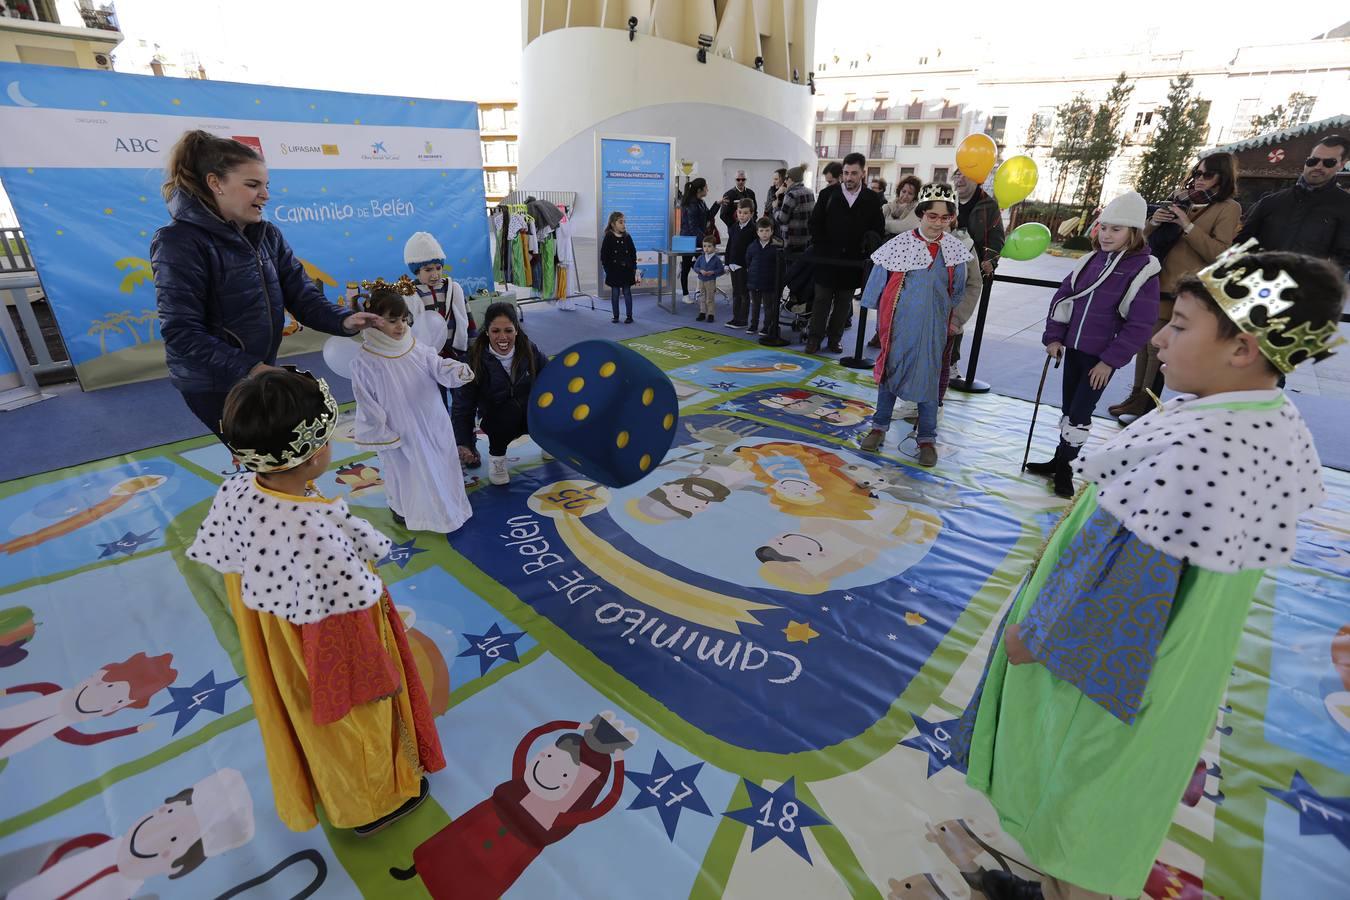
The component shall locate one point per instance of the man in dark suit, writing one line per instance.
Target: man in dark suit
(732, 198)
(843, 215)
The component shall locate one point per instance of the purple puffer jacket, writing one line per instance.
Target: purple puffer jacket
(1091, 321)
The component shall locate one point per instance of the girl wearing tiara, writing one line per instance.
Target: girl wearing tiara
(343, 714)
(916, 284)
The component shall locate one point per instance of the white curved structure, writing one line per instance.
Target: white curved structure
(582, 75)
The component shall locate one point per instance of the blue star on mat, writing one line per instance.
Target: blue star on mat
(127, 544)
(491, 646)
(188, 701)
(670, 790)
(777, 814)
(401, 554)
(824, 383)
(934, 738)
(724, 385)
(1316, 814)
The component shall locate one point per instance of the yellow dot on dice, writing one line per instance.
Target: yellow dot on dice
(668, 421)
(545, 399)
(622, 440)
(645, 463)
(571, 359)
(575, 385)
(648, 396)
(581, 412)
(607, 370)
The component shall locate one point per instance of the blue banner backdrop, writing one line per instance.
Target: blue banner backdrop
(352, 176)
(635, 180)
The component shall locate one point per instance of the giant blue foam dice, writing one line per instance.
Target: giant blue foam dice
(605, 410)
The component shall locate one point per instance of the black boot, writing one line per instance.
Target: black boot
(1046, 468)
(1004, 886)
(1064, 479)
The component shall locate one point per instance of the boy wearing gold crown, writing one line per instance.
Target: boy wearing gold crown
(343, 714)
(1105, 681)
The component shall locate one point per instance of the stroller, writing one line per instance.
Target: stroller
(794, 309)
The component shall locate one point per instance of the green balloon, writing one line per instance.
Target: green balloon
(1027, 241)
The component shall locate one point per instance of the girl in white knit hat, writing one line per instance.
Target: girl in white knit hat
(1101, 316)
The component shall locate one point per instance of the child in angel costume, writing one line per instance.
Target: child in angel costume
(343, 714)
(399, 415)
(1107, 677)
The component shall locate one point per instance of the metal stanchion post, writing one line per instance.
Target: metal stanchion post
(970, 384)
(859, 359)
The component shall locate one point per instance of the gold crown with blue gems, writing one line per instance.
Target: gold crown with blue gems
(1240, 284)
(307, 438)
(938, 191)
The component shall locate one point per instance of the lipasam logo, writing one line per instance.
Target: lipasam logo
(300, 148)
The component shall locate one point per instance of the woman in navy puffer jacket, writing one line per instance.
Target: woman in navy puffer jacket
(224, 277)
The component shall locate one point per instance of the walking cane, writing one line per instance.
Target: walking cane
(1037, 408)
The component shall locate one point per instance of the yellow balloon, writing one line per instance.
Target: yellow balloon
(975, 157)
(1014, 181)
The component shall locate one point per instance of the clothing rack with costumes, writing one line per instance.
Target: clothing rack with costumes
(552, 266)
(514, 242)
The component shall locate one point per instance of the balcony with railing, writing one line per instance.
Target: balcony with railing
(871, 151)
(910, 112)
(95, 23)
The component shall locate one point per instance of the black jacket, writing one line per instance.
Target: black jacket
(496, 397)
(618, 257)
(733, 196)
(1300, 221)
(738, 241)
(222, 294)
(761, 264)
(983, 221)
(837, 231)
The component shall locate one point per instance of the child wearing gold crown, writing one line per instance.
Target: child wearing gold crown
(917, 281)
(1106, 679)
(343, 714)
(395, 379)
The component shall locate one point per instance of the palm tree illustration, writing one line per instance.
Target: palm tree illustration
(126, 318)
(138, 272)
(101, 327)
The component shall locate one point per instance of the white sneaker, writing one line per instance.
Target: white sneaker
(497, 472)
(685, 298)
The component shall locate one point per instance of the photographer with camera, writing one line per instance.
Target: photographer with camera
(1185, 233)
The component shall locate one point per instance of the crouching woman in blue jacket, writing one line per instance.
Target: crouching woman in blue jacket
(224, 277)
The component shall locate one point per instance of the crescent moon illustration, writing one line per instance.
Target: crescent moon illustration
(17, 95)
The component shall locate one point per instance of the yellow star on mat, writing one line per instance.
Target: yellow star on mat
(914, 619)
(800, 632)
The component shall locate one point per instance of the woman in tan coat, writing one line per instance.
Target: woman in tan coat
(1200, 221)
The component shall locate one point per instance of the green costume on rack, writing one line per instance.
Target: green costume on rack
(547, 268)
(1199, 497)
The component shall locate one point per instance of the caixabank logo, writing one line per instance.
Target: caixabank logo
(379, 152)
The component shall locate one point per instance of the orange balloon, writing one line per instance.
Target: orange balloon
(975, 157)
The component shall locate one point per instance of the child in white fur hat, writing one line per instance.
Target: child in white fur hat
(1101, 316)
(436, 291)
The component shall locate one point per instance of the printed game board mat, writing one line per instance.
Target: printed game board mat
(774, 631)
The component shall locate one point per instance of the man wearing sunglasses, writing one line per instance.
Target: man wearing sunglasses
(736, 195)
(1313, 216)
